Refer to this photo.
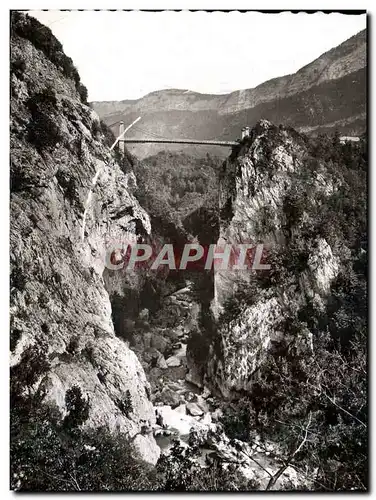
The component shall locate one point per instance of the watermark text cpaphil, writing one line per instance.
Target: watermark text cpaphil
(190, 256)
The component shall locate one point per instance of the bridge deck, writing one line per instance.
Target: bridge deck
(180, 141)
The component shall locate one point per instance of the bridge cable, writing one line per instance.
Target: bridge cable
(153, 134)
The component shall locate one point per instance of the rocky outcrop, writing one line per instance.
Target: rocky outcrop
(69, 202)
(270, 193)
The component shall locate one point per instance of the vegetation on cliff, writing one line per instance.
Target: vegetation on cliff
(317, 395)
(173, 185)
(73, 375)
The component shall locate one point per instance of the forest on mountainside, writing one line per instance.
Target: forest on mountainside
(173, 185)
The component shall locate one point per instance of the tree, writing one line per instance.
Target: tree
(125, 405)
(179, 471)
(77, 408)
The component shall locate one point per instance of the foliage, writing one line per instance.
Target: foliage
(125, 160)
(96, 128)
(328, 390)
(49, 453)
(322, 393)
(68, 185)
(236, 420)
(176, 184)
(33, 364)
(82, 91)
(109, 137)
(48, 456)
(125, 405)
(246, 295)
(43, 128)
(73, 345)
(77, 408)
(180, 472)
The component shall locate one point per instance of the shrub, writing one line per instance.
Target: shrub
(18, 67)
(82, 90)
(125, 405)
(109, 137)
(15, 335)
(44, 133)
(43, 129)
(17, 279)
(326, 394)
(68, 185)
(179, 471)
(77, 408)
(236, 420)
(33, 364)
(72, 347)
(95, 128)
(46, 456)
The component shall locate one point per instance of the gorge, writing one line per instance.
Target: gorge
(189, 379)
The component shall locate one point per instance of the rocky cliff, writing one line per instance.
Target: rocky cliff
(69, 201)
(276, 190)
(326, 94)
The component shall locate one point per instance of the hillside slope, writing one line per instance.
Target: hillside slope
(68, 200)
(326, 94)
(288, 345)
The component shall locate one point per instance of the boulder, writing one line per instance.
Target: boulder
(147, 448)
(171, 334)
(187, 289)
(177, 386)
(206, 419)
(161, 363)
(173, 361)
(194, 410)
(151, 354)
(169, 397)
(193, 377)
(200, 401)
(158, 342)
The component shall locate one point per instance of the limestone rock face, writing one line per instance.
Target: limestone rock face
(69, 203)
(269, 194)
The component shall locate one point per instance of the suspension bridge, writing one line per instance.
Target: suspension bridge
(159, 139)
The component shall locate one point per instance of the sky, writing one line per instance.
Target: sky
(125, 55)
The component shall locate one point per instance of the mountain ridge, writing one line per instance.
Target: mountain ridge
(358, 39)
(299, 100)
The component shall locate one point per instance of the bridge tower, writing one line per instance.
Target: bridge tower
(121, 130)
(245, 132)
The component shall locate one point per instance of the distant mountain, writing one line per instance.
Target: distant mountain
(327, 94)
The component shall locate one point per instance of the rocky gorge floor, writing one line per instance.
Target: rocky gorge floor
(190, 415)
